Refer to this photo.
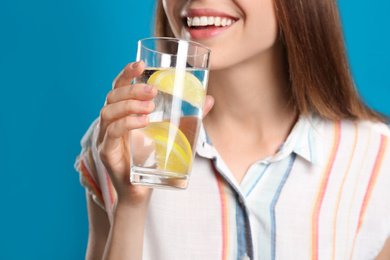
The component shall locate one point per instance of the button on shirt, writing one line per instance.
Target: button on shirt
(324, 195)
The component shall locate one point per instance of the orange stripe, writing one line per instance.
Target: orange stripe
(355, 189)
(91, 183)
(370, 186)
(341, 189)
(321, 193)
(91, 165)
(224, 215)
(113, 194)
(110, 189)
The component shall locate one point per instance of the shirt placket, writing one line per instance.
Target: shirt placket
(244, 233)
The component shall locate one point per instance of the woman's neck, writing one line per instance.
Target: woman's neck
(254, 93)
(253, 114)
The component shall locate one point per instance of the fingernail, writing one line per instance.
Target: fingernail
(141, 118)
(145, 103)
(135, 64)
(148, 88)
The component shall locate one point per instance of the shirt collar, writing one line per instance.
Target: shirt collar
(304, 140)
(204, 147)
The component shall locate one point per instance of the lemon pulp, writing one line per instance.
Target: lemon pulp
(192, 91)
(172, 149)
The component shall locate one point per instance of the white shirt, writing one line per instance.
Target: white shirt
(324, 195)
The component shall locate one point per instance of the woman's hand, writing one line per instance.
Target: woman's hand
(117, 118)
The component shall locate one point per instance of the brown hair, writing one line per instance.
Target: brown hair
(320, 77)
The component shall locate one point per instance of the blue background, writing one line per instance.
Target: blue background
(57, 62)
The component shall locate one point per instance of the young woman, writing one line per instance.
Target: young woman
(290, 163)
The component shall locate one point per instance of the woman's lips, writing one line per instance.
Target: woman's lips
(206, 23)
(205, 32)
(206, 12)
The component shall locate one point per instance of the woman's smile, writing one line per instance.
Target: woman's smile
(206, 23)
(235, 31)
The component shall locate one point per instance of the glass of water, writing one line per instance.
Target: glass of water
(162, 153)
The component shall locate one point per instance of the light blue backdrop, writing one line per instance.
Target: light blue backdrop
(57, 62)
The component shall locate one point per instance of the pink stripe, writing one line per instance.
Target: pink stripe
(110, 188)
(373, 178)
(224, 214)
(341, 190)
(355, 189)
(321, 193)
(91, 165)
(370, 186)
(91, 182)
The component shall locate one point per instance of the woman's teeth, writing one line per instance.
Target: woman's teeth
(211, 20)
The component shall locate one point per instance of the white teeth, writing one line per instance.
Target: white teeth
(217, 21)
(195, 21)
(211, 20)
(203, 21)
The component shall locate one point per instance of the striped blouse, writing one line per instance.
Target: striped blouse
(324, 195)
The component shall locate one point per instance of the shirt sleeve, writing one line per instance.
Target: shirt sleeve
(92, 173)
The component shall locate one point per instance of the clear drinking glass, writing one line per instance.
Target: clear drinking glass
(162, 153)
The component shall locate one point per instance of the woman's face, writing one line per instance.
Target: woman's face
(234, 30)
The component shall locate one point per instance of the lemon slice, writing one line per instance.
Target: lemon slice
(176, 161)
(173, 151)
(167, 81)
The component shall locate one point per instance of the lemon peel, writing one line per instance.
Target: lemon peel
(193, 91)
(178, 148)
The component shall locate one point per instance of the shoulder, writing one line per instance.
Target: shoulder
(356, 156)
(347, 138)
(377, 127)
(347, 127)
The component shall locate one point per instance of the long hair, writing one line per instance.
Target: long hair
(161, 28)
(318, 69)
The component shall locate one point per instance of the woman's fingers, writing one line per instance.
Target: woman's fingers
(126, 109)
(127, 75)
(136, 91)
(122, 109)
(126, 101)
(116, 130)
(115, 111)
(208, 105)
